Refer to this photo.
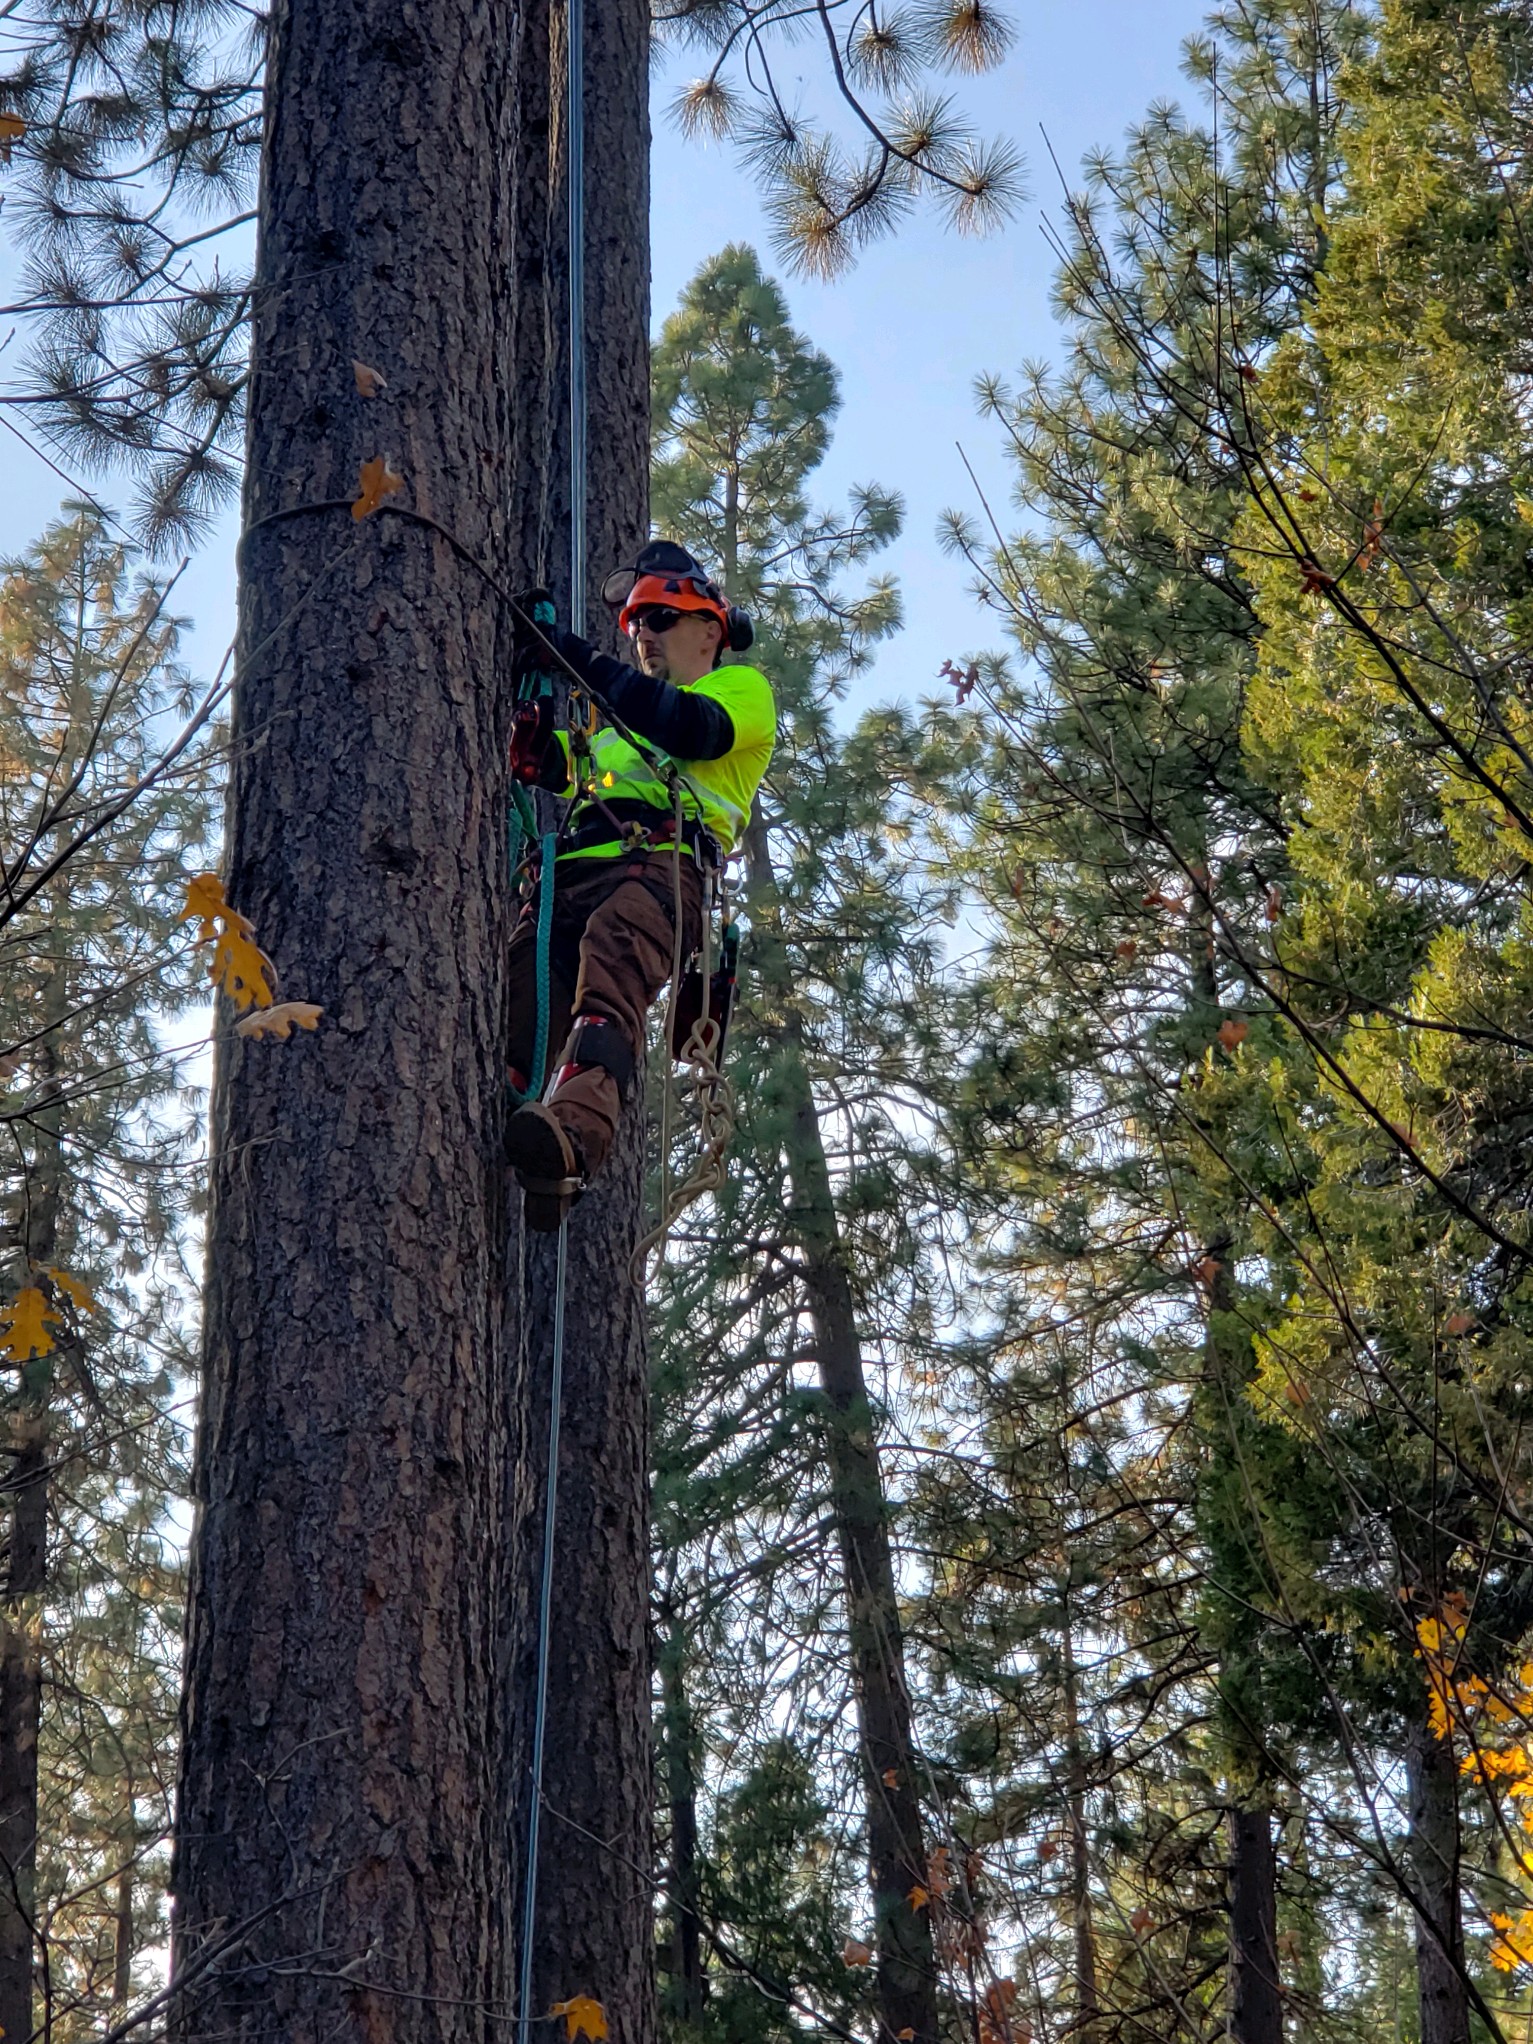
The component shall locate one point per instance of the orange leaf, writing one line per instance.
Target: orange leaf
(855, 1954)
(1207, 1268)
(583, 2017)
(1274, 907)
(1233, 1033)
(1048, 1850)
(1141, 1920)
(904, 2036)
(376, 482)
(1373, 536)
(891, 1777)
(1126, 950)
(24, 1329)
(918, 1897)
(279, 1021)
(12, 128)
(369, 382)
(1460, 1323)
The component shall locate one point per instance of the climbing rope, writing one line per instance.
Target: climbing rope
(574, 171)
(545, 1631)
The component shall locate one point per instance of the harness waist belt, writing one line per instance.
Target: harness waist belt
(657, 828)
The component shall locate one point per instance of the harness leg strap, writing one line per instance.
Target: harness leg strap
(595, 1040)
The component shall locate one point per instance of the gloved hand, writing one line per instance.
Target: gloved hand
(528, 655)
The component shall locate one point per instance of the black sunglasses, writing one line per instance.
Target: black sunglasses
(660, 617)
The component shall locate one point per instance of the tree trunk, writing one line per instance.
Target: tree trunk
(686, 1956)
(1087, 2004)
(905, 1979)
(26, 1574)
(1256, 2002)
(342, 1834)
(595, 1902)
(1431, 1772)
(20, 1709)
(595, 1916)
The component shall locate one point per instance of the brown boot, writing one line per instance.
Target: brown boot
(546, 1159)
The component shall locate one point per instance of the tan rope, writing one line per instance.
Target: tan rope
(700, 1055)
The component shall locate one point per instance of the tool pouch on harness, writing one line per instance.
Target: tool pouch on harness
(722, 987)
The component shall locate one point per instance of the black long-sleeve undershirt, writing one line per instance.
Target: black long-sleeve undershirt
(679, 721)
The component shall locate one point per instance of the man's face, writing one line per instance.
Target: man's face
(677, 646)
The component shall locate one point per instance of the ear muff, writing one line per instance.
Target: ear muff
(739, 632)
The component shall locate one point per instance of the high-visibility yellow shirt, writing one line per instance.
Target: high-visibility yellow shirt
(715, 792)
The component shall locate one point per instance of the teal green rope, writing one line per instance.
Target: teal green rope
(522, 830)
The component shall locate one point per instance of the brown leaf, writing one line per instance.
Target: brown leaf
(1206, 1269)
(1315, 578)
(1127, 949)
(1309, 496)
(1274, 907)
(1461, 1323)
(1049, 1849)
(279, 1021)
(1141, 1920)
(891, 1777)
(369, 381)
(376, 482)
(1373, 536)
(1233, 1033)
(918, 1897)
(855, 1954)
(12, 128)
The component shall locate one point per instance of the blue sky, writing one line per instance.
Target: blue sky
(909, 327)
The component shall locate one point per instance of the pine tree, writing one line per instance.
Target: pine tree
(833, 1013)
(93, 1198)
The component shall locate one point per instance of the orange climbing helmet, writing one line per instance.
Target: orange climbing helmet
(666, 574)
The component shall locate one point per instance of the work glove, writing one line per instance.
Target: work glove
(527, 652)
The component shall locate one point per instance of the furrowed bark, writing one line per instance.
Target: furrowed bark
(341, 1826)
(595, 1900)
(594, 1931)
(689, 1981)
(1431, 1773)
(26, 1576)
(1256, 2003)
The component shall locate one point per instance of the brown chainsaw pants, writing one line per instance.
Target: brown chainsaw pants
(611, 952)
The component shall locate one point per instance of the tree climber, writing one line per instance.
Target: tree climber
(712, 717)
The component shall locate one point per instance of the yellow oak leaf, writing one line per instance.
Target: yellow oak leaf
(24, 1330)
(376, 482)
(205, 901)
(918, 1897)
(369, 381)
(583, 2017)
(239, 967)
(12, 128)
(239, 970)
(76, 1291)
(855, 1954)
(279, 1021)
